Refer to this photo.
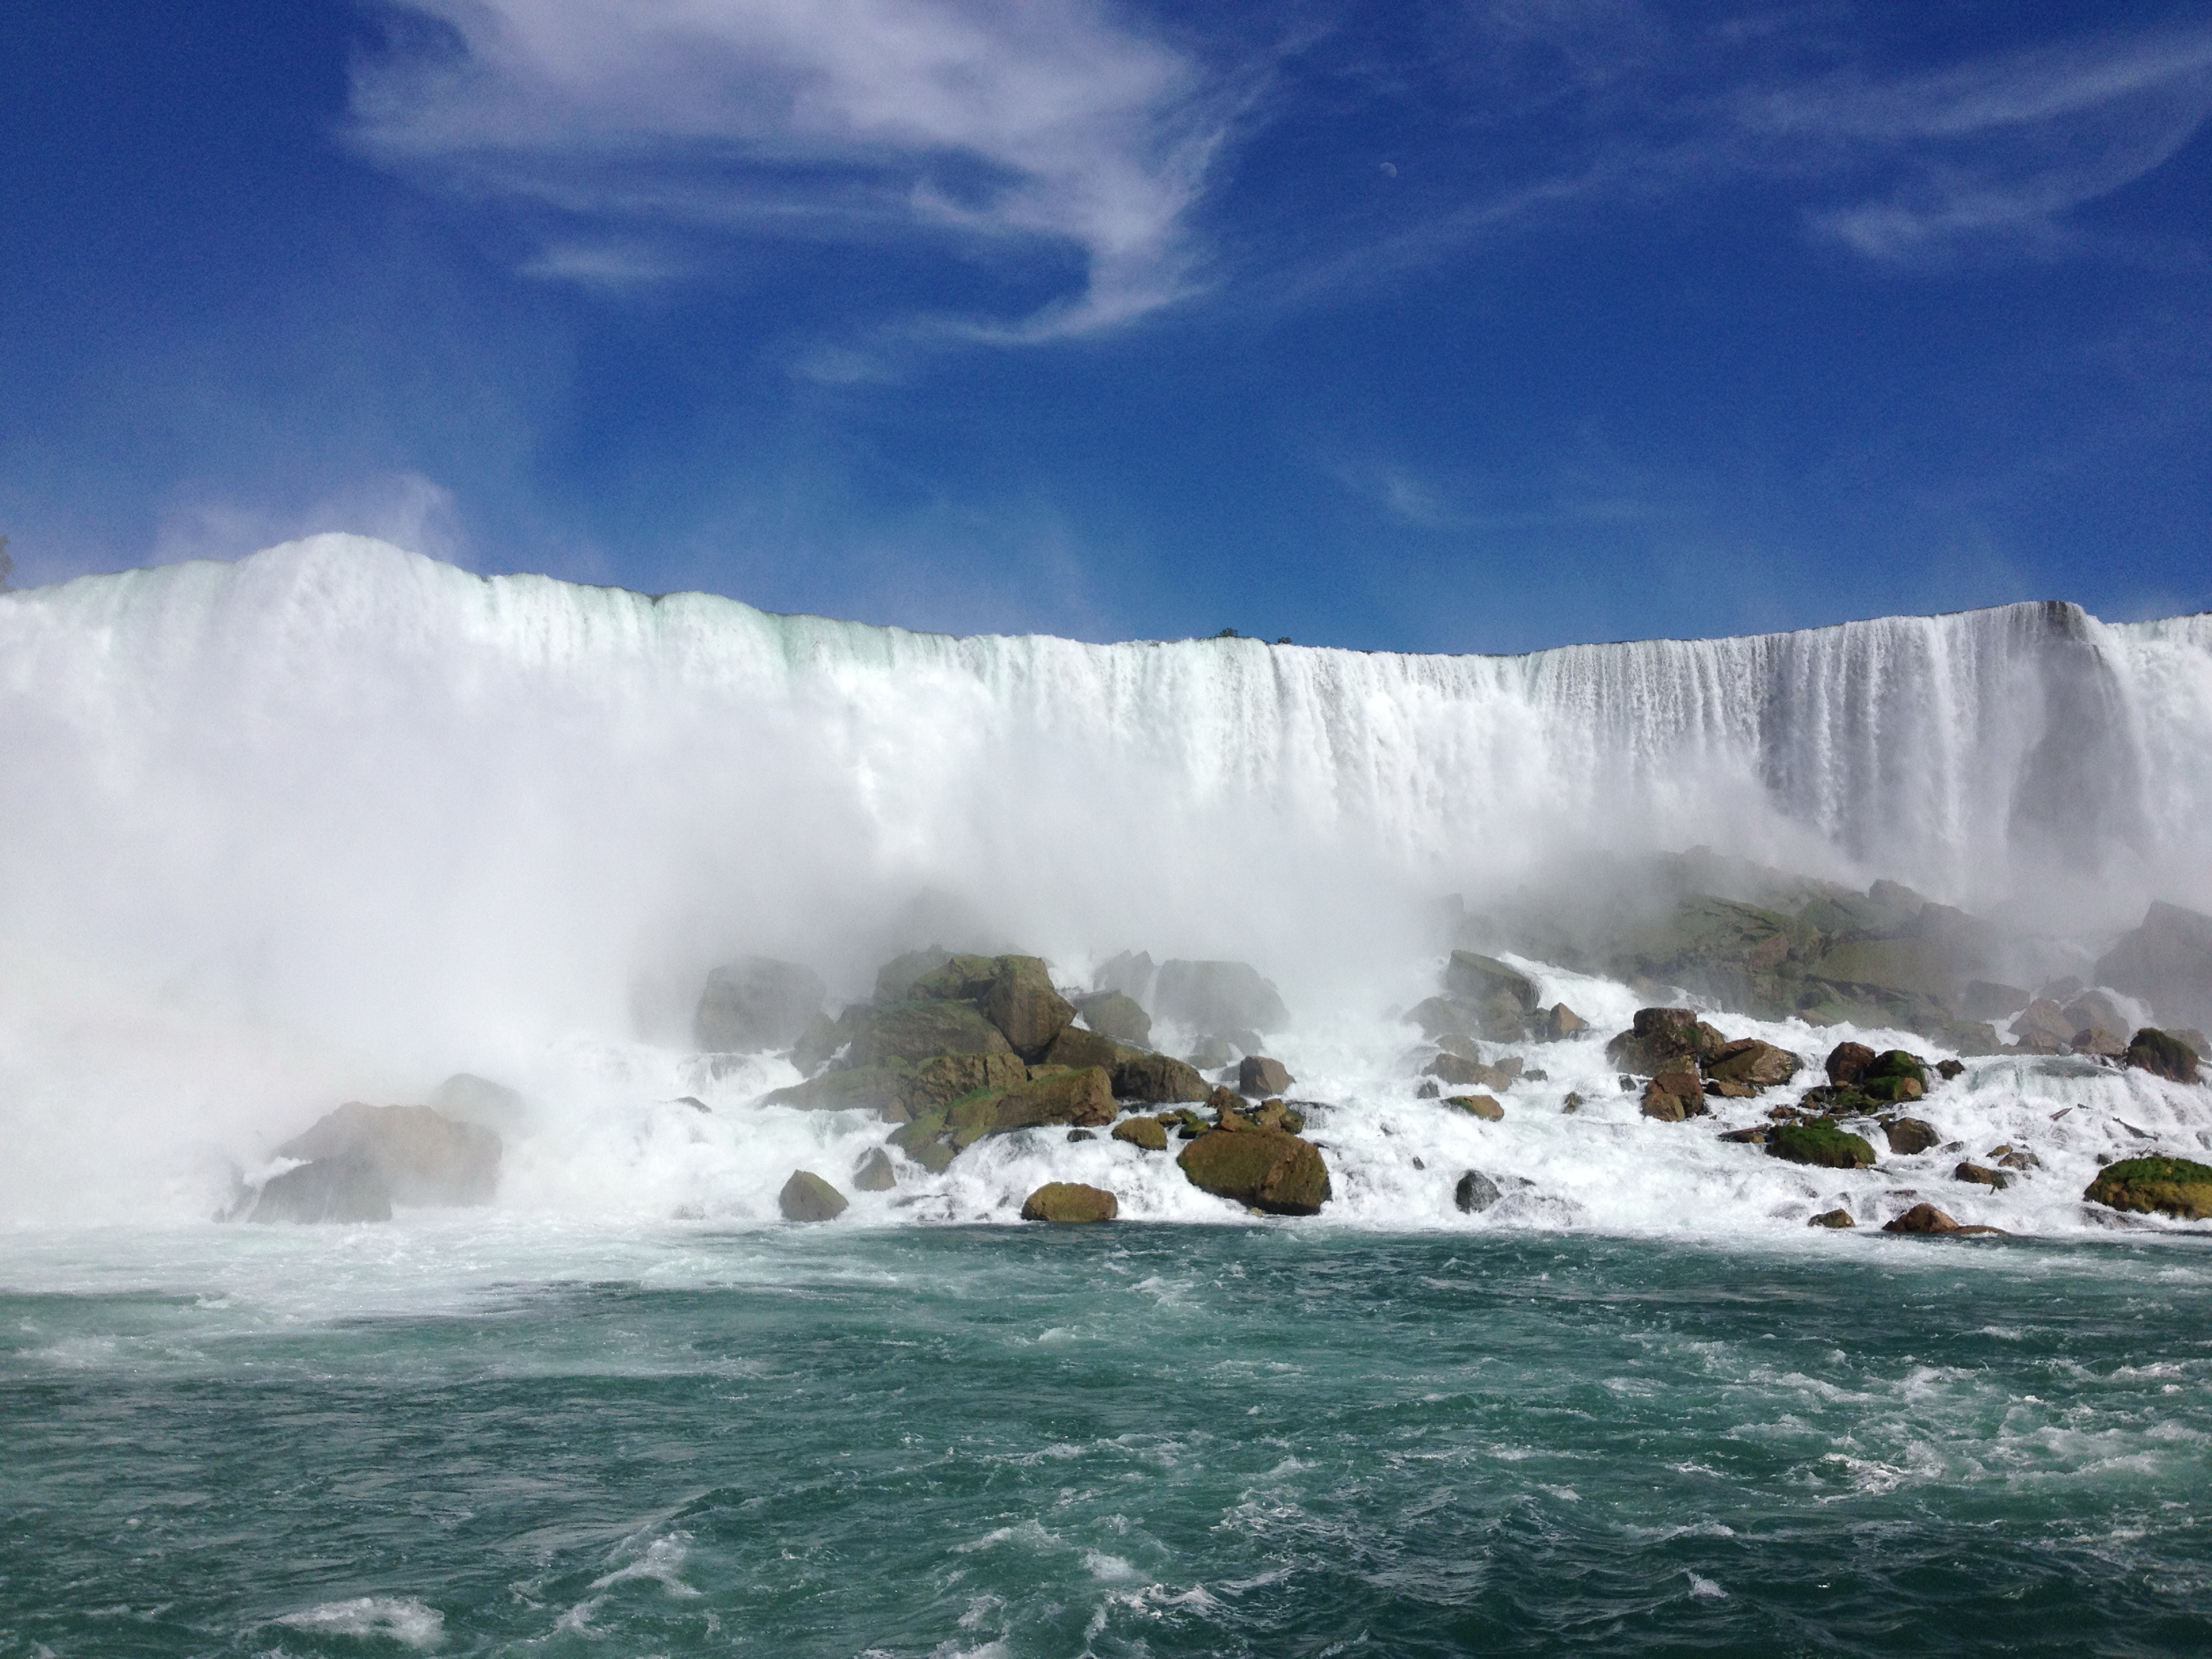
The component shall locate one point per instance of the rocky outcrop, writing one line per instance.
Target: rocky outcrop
(755, 1003)
(1910, 1136)
(1475, 1193)
(1147, 1133)
(2162, 1055)
(1921, 1218)
(1663, 1040)
(895, 979)
(1257, 1075)
(807, 1197)
(2167, 963)
(420, 1157)
(1070, 1201)
(1117, 1016)
(1818, 1143)
(1157, 1080)
(898, 1089)
(2155, 1186)
(1268, 1169)
(1218, 996)
(1083, 1099)
(340, 1190)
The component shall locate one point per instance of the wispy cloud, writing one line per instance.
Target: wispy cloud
(1003, 125)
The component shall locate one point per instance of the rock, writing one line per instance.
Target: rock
(2167, 961)
(472, 1099)
(1662, 1040)
(2095, 1010)
(1022, 1003)
(874, 1174)
(1475, 1193)
(914, 1031)
(807, 1197)
(347, 1188)
(825, 1038)
(1950, 1069)
(2163, 1186)
(887, 1090)
(1479, 979)
(1268, 1169)
(1740, 955)
(1895, 1075)
(1748, 1060)
(1908, 1136)
(1083, 1099)
(1277, 1115)
(1116, 1014)
(1927, 968)
(1754, 1136)
(1440, 1017)
(1257, 1075)
(1156, 1080)
(1070, 1201)
(1148, 1132)
(2192, 1039)
(2163, 1054)
(1561, 1022)
(421, 1156)
(1131, 974)
(1573, 1103)
(1977, 1175)
(1465, 1046)
(2095, 1039)
(2061, 990)
(1076, 1047)
(1481, 1106)
(1728, 1089)
(1218, 996)
(1832, 1218)
(2044, 1018)
(1674, 1096)
(755, 1003)
(1848, 1062)
(1985, 998)
(1921, 1218)
(895, 979)
(1820, 1143)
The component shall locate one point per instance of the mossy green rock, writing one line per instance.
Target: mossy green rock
(1078, 1048)
(957, 979)
(914, 1031)
(807, 1197)
(2161, 1186)
(1083, 1099)
(1022, 1003)
(1820, 1143)
(895, 979)
(2163, 1054)
(1146, 1132)
(1070, 1201)
(1269, 1169)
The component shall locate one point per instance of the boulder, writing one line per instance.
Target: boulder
(886, 1090)
(1832, 1218)
(1076, 1047)
(1740, 955)
(2163, 1186)
(825, 1038)
(1268, 1169)
(1116, 1014)
(755, 1003)
(1978, 1175)
(2163, 1054)
(2044, 1018)
(895, 979)
(1021, 1002)
(1083, 1099)
(1070, 1201)
(1157, 1080)
(1984, 999)
(1132, 973)
(1921, 1218)
(1472, 1074)
(348, 1187)
(2167, 961)
(1218, 996)
(1561, 1022)
(1820, 1143)
(1895, 1075)
(874, 1174)
(1440, 1017)
(1848, 1062)
(2097, 1011)
(1147, 1133)
(915, 1032)
(1662, 1040)
(1480, 981)
(420, 1156)
(2096, 1040)
(1748, 1060)
(1674, 1096)
(1475, 1193)
(469, 1098)
(1280, 1114)
(1908, 1136)
(1257, 1075)
(1481, 1106)
(807, 1197)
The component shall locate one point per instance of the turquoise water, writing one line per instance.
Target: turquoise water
(1116, 1440)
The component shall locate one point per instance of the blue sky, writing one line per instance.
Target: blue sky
(1478, 326)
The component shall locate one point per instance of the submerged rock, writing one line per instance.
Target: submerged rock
(421, 1156)
(1820, 1143)
(755, 1003)
(344, 1188)
(1070, 1201)
(1268, 1169)
(807, 1197)
(2162, 1186)
(1475, 1193)
(2163, 1054)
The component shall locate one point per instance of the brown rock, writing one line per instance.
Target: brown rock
(1909, 1135)
(417, 1155)
(1075, 1047)
(1257, 1075)
(1748, 1060)
(1070, 1201)
(807, 1197)
(1848, 1062)
(1481, 1106)
(1981, 1176)
(1561, 1022)
(1265, 1169)
(1022, 1004)
(1922, 1218)
(1157, 1080)
(1146, 1132)
(2044, 1018)
(1832, 1218)
(1674, 1096)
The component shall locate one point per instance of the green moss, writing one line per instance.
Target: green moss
(1820, 1142)
(2163, 1186)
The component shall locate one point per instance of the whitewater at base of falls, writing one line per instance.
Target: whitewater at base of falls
(335, 822)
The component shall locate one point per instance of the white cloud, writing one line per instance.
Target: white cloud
(1005, 122)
